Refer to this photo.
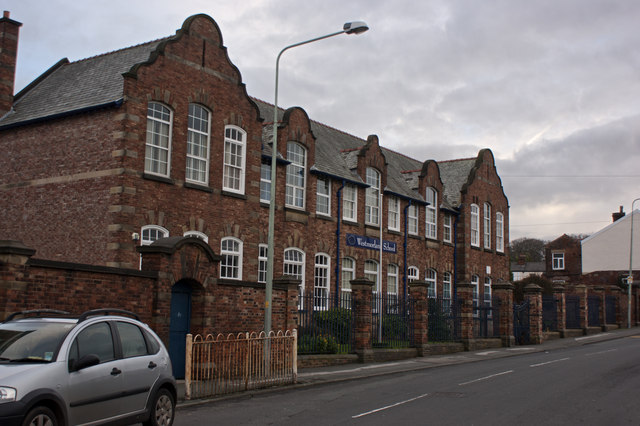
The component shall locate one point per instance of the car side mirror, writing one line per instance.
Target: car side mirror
(86, 361)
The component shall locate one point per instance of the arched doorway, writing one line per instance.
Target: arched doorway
(179, 326)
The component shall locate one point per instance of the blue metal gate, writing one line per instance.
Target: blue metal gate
(572, 307)
(521, 330)
(610, 310)
(549, 312)
(593, 303)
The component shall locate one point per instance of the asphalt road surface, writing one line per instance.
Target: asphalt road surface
(596, 384)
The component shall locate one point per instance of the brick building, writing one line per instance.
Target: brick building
(108, 157)
(563, 259)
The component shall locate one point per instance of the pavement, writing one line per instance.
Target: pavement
(335, 374)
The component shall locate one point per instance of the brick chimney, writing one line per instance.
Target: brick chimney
(9, 30)
(618, 215)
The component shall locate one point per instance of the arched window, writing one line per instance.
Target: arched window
(197, 234)
(431, 228)
(475, 225)
(151, 233)
(235, 140)
(392, 279)
(413, 273)
(197, 169)
(371, 272)
(294, 265)
(321, 278)
(296, 175)
(372, 198)
(157, 157)
(231, 263)
(475, 282)
(431, 279)
(499, 232)
(348, 274)
(487, 225)
(446, 291)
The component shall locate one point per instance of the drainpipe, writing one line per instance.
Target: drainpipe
(337, 270)
(455, 259)
(404, 277)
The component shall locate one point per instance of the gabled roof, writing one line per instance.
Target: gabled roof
(77, 86)
(69, 88)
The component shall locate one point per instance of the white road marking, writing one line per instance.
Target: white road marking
(549, 362)
(594, 336)
(601, 352)
(486, 353)
(389, 406)
(351, 370)
(485, 378)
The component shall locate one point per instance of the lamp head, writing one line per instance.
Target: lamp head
(356, 27)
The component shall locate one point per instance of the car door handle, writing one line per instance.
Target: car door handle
(115, 371)
(152, 365)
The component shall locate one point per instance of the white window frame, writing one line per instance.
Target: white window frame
(394, 214)
(293, 264)
(348, 274)
(323, 196)
(413, 273)
(446, 291)
(431, 277)
(500, 232)
(475, 283)
(204, 237)
(392, 279)
(265, 183)
(234, 159)
(263, 250)
(431, 216)
(447, 228)
(486, 297)
(412, 219)
(475, 225)
(372, 197)
(158, 142)
(321, 280)
(198, 142)
(350, 203)
(369, 272)
(150, 233)
(557, 259)
(234, 253)
(487, 225)
(296, 176)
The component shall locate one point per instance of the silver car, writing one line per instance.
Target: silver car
(104, 367)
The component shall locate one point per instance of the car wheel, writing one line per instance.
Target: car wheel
(40, 416)
(162, 410)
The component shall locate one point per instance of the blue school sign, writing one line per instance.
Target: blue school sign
(371, 243)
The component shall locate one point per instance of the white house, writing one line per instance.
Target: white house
(608, 249)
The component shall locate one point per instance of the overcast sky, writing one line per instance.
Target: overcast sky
(552, 87)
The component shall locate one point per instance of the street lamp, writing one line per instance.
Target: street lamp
(357, 27)
(630, 277)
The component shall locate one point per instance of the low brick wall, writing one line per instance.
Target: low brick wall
(442, 348)
(313, 361)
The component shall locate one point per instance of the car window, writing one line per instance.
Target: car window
(96, 339)
(152, 342)
(31, 341)
(132, 339)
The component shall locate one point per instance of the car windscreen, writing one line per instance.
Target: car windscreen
(36, 341)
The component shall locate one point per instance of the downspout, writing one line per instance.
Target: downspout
(404, 277)
(337, 270)
(455, 259)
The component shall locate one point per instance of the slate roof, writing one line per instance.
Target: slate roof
(71, 87)
(76, 86)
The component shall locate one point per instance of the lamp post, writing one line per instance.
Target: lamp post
(357, 27)
(630, 277)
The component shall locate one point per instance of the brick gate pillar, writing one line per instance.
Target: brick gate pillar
(533, 294)
(616, 292)
(561, 316)
(291, 284)
(582, 292)
(361, 289)
(14, 256)
(465, 304)
(599, 291)
(418, 292)
(503, 291)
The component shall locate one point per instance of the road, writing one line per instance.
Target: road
(596, 384)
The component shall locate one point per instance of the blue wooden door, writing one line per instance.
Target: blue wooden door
(179, 326)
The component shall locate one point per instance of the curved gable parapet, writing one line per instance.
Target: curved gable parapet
(299, 126)
(373, 145)
(431, 168)
(485, 157)
(186, 28)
